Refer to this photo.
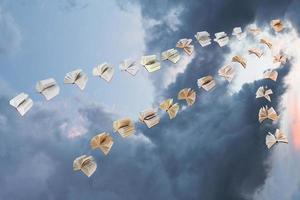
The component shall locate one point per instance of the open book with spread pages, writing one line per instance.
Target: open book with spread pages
(206, 82)
(264, 92)
(279, 137)
(240, 60)
(170, 108)
(22, 103)
(48, 88)
(256, 52)
(227, 72)
(104, 71)
(203, 38)
(277, 25)
(124, 127)
(129, 66)
(102, 141)
(171, 55)
(279, 58)
(221, 38)
(188, 95)
(266, 42)
(86, 164)
(237, 31)
(186, 45)
(271, 74)
(150, 63)
(76, 77)
(149, 117)
(267, 113)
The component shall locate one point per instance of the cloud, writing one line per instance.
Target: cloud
(10, 35)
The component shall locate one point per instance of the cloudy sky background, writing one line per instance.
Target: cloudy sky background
(213, 150)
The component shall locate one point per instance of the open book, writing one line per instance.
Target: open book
(86, 164)
(171, 55)
(188, 95)
(149, 117)
(277, 25)
(271, 74)
(266, 42)
(186, 45)
(240, 60)
(237, 31)
(279, 58)
(124, 127)
(221, 38)
(206, 82)
(252, 28)
(22, 103)
(103, 141)
(226, 72)
(170, 108)
(273, 139)
(48, 88)
(264, 92)
(76, 77)
(104, 71)
(256, 52)
(129, 66)
(267, 113)
(203, 38)
(150, 63)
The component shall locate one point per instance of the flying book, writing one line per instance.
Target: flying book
(253, 29)
(203, 38)
(186, 45)
(170, 108)
(279, 58)
(150, 63)
(226, 72)
(266, 42)
(267, 113)
(76, 77)
(104, 71)
(237, 31)
(221, 38)
(264, 92)
(279, 137)
(271, 74)
(48, 88)
(277, 25)
(86, 164)
(124, 127)
(129, 66)
(188, 95)
(206, 82)
(256, 52)
(240, 60)
(103, 141)
(22, 103)
(171, 55)
(149, 117)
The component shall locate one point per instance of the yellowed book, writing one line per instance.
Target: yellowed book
(149, 117)
(256, 52)
(277, 25)
(267, 113)
(186, 45)
(279, 137)
(279, 58)
(206, 82)
(264, 92)
(86, 164)
(188, 95)
(170, 108)
(239, 59)
(266, 42)
(124, 127)
(271, 74)
(150, 63)
(227, 72)
(103, 141)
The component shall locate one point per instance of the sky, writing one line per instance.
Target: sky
(212, 150)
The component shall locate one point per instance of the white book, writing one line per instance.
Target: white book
(48, 88)
(104, 71)
(186, 45)
(279, 137)
(206, 82)
(227, 72)
(237, 31)
(170, 107)
(76, 77)
(203, 38)
(267, 113)
(171, 55)
(150, 63)
(22, 103)
(86, 164)
(149, 117)
(271, 74)
(129, 66)
(221, 38)
(264, 92)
